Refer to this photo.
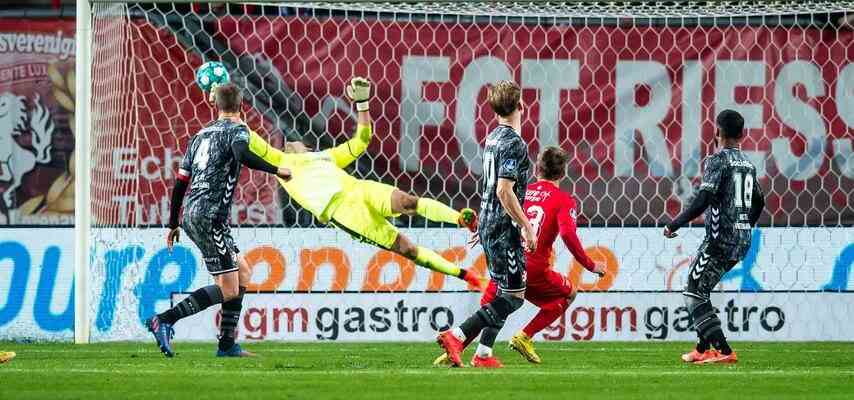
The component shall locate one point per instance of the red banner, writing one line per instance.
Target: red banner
(634, 106)
(36, 121)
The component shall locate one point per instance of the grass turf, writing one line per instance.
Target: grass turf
(394, 370)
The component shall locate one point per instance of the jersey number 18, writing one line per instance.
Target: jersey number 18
(743, 189)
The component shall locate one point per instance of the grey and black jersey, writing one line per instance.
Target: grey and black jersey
(213, 170)
(505, 156)
(730, 178)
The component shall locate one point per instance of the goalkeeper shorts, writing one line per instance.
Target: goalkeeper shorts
(362, 210)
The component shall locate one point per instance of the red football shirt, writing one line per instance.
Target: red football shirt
(551, 212)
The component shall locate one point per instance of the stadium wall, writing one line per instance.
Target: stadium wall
(780, 292)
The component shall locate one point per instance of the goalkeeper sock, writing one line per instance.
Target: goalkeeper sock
(195, 302)
(228, 325)
(436, 211)
(430, 259)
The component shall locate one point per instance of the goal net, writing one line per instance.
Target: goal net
(630, 90)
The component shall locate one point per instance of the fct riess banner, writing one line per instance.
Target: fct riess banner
(635, 106)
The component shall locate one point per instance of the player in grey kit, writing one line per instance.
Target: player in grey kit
(504, 229)
(732, 201)
(211, 167)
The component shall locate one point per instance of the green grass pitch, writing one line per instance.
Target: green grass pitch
(598, 370)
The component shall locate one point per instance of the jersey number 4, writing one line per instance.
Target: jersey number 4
(743, 189)
(202, 155)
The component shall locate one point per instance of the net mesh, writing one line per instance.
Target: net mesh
(589, 9)
(632, 99)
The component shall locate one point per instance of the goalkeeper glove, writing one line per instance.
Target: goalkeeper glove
(359, 91)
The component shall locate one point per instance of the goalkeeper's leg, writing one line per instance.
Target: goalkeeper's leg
(404, 203)
(429, 259)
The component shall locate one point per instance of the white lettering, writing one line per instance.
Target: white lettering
(478, 73)
(550, 77)
(416, 112)
(730, 75)
(800, 117)
(124, 163)
(845, 95)
(631, 118)
(692, 103)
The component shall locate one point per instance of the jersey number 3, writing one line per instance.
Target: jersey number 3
(535, 215)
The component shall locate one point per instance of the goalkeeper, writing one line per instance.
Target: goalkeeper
(361, 207)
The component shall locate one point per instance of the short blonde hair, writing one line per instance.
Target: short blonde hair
(504, 97)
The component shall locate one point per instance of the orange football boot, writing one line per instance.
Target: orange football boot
(487, 362)
(695, 355)
(453, 347)
(730, 358)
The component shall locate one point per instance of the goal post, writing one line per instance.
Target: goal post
(630, 89)
(82, 182)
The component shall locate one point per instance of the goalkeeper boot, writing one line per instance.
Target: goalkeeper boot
(163, 333)
(453, 348)
(473, 279)
(719, 358)
(695, 356)
(468, 219)
(486, 362)
(6, 356)
(524, 345)
(235, 351)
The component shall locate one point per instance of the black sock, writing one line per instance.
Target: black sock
(702, 345)
(718, 340)
(487, 337)
(195, 302)
(228, 325)
(472, 326)
(706, 322)
(492, 314)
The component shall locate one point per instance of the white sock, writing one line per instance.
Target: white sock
(483, 351)
(458, 333)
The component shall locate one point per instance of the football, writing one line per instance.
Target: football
(210, 74)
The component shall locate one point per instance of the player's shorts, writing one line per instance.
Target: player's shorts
(706, 272)
(542, 290)
(505, 260)
(363, 211)
(214, 240)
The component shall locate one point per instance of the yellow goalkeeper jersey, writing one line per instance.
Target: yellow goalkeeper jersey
(316, 176)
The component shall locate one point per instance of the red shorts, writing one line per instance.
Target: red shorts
(541, 290)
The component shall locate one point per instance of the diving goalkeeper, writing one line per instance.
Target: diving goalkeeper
(361, 207)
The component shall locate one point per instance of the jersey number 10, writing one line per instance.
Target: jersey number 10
(743, 189)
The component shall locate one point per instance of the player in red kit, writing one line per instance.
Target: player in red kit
(551, 213)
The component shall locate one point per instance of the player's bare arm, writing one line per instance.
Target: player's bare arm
(507, 197)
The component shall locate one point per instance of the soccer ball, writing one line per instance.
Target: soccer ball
(210, 74)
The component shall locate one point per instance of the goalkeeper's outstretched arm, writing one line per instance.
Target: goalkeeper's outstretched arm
(359, 91)
(256, 153)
